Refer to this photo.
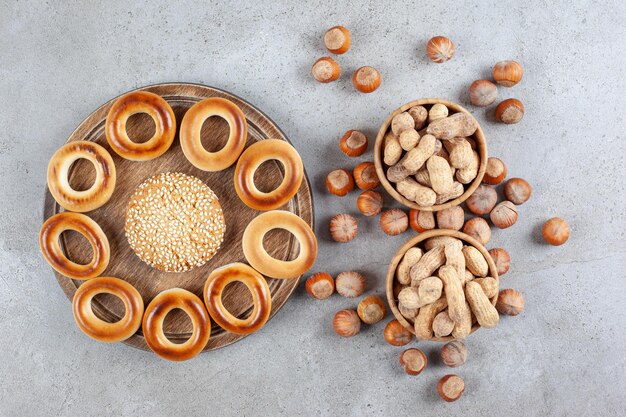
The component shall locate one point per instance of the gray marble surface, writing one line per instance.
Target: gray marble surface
(564, 356)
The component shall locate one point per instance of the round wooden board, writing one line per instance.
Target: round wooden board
(149, 281)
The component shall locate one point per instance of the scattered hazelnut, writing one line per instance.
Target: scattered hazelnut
(337, 39)
(396, 334)
(510, 302)
(454, 353)
(495, 172)
(451, 218)
(419, 115)
(504, 215)
(325, 70)
(510, 111)
(517, 190)
(421, 220)
(350, 284)
(339, 182)
(365, 176)
(409, 297)
(366, 79)
(483, 93)
(343, 228)
(413, 361)
(451, 387)
(401, 122)
(502, 259)
(507, 73)
(555, 231)
(346, 323)
(483, 200)
(320, 285)
(371, 309)
(440, 49)
(479, 229)
(394, 221)
(353, 143)
(370, 203)
(437, 111)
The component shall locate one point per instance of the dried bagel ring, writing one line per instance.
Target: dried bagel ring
(51, 250)
(154, 316)
(259, 259)
(191, 142)
(251, 160)
(140, 102)
(58, 170)
(256, 284)
(97, 328)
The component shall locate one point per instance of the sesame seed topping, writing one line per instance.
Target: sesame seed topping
(174, 222)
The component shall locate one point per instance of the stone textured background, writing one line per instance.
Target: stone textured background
(564, 356)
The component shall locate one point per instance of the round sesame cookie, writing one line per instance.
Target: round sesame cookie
(174, 222)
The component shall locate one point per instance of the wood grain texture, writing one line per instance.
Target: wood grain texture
(417, 241)
(149, 281)
(381, 168)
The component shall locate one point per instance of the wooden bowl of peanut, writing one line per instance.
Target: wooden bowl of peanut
(430, 154)
(443, 285)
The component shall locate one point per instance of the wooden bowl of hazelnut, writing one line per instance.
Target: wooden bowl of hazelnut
(430, 154)
(443, 285)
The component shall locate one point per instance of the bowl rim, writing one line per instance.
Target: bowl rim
(414, 241)
(481, 145)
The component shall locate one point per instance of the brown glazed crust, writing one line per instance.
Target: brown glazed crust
(250, 161)
(155, 313)
(101, 330)
(140, 102)
(58, 171)
(191, 142)
(260, 291)
(52, 252)
(259, 259)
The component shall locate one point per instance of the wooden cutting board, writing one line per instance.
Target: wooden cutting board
(149, 281)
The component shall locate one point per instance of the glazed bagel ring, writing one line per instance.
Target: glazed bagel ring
(140, 102)
(191, 142)
(99, 329)
(260, 291)
(58, 171)
(155, 313)
(250, 161)
(259, 259)
(51, 250)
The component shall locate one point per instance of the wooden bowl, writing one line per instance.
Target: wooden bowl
(391, 272)
(481, 145)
